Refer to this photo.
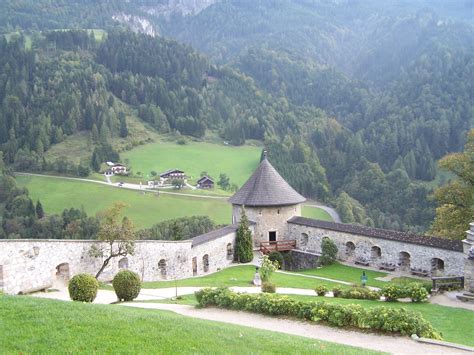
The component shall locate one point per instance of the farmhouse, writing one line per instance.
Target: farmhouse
(205, 182)
(172, 174)
(273, 208)
(116, 169)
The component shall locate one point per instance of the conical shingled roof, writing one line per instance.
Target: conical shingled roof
(266, 188)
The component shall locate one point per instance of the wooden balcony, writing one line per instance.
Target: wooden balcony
(281, 245)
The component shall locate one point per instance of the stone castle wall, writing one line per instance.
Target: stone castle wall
(420, 256)
(32, 264)
(267, 219)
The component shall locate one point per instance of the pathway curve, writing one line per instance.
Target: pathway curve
(385, 343)
(332, 212)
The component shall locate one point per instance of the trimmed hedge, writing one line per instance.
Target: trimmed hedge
(268, 287)
(126, 285)
(83, 288)
(321, 290)
(384, 319)
(415, 291)
(359, 293)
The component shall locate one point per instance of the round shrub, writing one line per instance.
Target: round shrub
(268, 287)
(83, 288)
(127, 285)
(276, 256)
(417, 292)
(392, 292)
(336, 291)
(321, 290)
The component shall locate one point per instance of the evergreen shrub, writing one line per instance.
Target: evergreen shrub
(328, 251)
(126, 285)
(83, 288)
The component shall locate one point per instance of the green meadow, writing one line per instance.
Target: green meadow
(144, 208)
(238, 163)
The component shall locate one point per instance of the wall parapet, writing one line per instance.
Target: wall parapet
(432, 242)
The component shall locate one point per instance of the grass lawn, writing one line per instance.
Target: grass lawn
(145, 209)
(31, 325)
(242, 276)
(195, 157)
(352, 274)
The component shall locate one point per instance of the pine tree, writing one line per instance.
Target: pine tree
(39, 210)
(243, 241)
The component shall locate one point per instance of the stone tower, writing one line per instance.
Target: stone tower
(269, 202)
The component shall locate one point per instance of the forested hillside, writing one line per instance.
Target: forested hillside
(355, 101)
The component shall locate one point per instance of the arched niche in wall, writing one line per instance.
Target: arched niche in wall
(205, 263)
(437, 267)
(375, 253)
(404, 261)
(162, 268)
(123, 263)
(230, 251)
(350, 250)
(304, 238)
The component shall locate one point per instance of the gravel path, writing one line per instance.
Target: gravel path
(391, 344)
(386, 343)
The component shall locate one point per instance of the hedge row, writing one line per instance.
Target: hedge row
(415, 291)
(379, 318)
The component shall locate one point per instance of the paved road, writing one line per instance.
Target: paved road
(332, 212)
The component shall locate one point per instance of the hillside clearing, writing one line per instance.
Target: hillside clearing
(144, 208)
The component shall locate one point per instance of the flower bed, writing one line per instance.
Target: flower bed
(383, 319)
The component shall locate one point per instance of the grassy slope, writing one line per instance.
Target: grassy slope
(46, 326)
(195, 157)
(145, 209)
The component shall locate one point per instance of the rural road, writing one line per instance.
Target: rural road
(332, 212)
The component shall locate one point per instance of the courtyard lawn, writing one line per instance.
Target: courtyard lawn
(352, 274)
(238, 163)
(145, 209)
(242, 276)
(31, 325)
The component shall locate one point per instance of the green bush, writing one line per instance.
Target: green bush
(392, 292)
(384, 319)
(276, 256)
(337, 291)
(126, 285)
(267, 268)
(83, 288)
(268, 287)
(321, 290)
(417, 292)
(360, 293)
(328, 251)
